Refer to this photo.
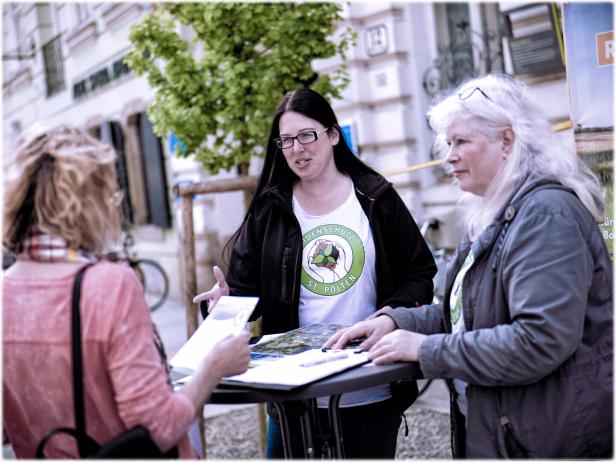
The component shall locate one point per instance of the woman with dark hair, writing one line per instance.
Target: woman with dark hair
(327, 240)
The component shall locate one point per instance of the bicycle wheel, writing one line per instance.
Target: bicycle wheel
(154, 281)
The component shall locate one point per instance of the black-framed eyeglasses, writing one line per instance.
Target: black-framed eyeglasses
(307, 137)
(466, 94)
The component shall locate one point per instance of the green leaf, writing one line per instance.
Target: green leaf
(219, 99)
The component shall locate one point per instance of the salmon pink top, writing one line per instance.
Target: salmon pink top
(124, 379)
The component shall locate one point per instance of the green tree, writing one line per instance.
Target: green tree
(217, 89)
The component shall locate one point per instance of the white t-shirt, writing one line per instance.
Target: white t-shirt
(338, 280)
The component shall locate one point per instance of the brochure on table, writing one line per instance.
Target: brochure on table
(292, 359)
(295, 358)
(299, 369)
(228, 317)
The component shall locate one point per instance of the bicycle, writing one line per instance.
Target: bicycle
(151, 275)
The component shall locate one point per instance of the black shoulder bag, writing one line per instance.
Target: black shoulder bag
(135, 443)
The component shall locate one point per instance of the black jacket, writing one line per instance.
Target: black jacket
(265, 260)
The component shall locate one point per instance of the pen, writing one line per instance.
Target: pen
(326, 359)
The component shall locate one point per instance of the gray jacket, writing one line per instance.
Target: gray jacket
(537, 353)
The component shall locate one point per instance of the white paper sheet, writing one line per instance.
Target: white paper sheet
(228, 317)
(302, 368)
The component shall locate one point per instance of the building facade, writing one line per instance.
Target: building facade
(62, 62)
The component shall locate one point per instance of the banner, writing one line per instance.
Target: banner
(589, 50)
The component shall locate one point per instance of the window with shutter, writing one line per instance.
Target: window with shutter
(112, 133)
(141, 170)
(155, 174)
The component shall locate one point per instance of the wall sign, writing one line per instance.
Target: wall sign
(100, 78)
(535, 39)
(376, 40)
(380, 79)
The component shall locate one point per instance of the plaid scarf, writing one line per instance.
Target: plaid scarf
(43, 247)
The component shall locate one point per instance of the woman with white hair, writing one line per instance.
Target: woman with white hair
(524, 334)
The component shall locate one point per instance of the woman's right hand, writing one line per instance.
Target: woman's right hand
(371, 329)
(213, 295)
(229, 357)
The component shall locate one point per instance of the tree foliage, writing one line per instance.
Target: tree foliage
(217, 85)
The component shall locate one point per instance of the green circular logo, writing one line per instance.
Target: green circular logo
(333, 259)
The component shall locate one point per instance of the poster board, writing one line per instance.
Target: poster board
(534, 38)
(589, 50)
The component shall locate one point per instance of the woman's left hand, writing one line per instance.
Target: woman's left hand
(399, 345)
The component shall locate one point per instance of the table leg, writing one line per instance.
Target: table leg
(298, 418)
(335, 425)
(307, 429)
(284, 430)
(312, 412)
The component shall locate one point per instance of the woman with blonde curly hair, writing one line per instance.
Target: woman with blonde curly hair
(60, 213)
(57, 181)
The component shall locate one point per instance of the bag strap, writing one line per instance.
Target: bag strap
(86, 445)
(80, 417)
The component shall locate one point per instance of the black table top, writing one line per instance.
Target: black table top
(355, 379)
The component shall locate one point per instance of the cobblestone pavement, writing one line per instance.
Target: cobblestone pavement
(235, 435)
(232, 432)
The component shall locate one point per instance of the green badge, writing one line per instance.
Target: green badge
(333, 259)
